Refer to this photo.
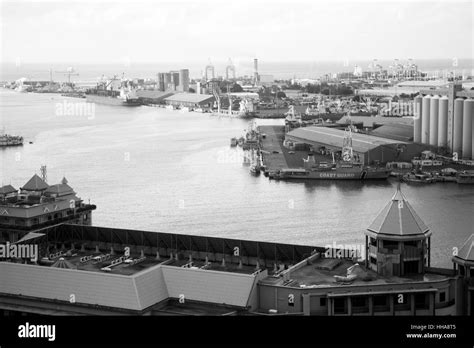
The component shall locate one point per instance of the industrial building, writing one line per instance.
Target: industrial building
(152, 97)
(165, 273)
(191, 100)
(369, 149)
(173, 81)
(395, 131)
(444, 120)
(373, 122)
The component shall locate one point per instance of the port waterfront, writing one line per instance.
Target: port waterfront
(177, 178)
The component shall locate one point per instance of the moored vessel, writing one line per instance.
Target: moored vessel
(114, 92)
(10, 140)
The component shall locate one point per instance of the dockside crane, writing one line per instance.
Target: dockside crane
(68, 72)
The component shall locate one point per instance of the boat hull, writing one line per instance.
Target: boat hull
(323, 175)
(111, 100)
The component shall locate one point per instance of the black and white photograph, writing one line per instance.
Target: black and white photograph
(273, 171)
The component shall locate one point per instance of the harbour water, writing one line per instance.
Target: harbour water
(160, 170)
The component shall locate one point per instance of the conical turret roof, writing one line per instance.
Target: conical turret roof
(398, 221)
(466, 252)
(35, 184)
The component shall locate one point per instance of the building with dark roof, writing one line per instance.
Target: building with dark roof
(35, 184)
(368, 148)
(39, 205)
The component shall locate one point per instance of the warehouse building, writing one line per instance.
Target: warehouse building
(368, 148)
(191, 100)
(403, 132)
(152, 97)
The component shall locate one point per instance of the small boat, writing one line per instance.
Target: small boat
(417, 178)
(465, 177)
(254, 169)
(233, 142)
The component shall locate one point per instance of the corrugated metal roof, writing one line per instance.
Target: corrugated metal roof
(208, 286)
(190, 97)
(369, 121)
(401, 132)
(153, 94)
(335, 137)
(399, 219)
(59, 284)
(150, 286)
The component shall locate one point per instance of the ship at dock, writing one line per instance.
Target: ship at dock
(349, 168)
(10, 140)
(114, 91)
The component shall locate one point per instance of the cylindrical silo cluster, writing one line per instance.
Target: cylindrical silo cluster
(443, 122)
(417, 120)
(425, 119)
(457, 125)
(468, 113)
(433, 137)
(430, 124)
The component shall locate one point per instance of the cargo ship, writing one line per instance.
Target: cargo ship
(114, 92)
(10, 140)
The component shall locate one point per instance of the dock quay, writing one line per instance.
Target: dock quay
(275, 156)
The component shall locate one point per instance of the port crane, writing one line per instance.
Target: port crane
(68, 72)
(347, 152)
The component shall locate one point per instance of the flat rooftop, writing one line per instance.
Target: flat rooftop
(317, 274)
(334, 137)
(149, 261)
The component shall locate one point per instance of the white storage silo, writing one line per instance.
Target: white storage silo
(417, 119)
(425, 119)
(457, 125)
(443, 122)
(433, 138)
(468, 113)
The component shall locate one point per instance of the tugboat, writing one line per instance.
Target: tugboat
(347, 169)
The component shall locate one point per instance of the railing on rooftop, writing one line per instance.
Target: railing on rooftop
(78, 213)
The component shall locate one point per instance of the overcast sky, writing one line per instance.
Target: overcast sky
(162, 31)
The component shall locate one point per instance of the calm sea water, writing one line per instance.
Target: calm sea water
(160, 170)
